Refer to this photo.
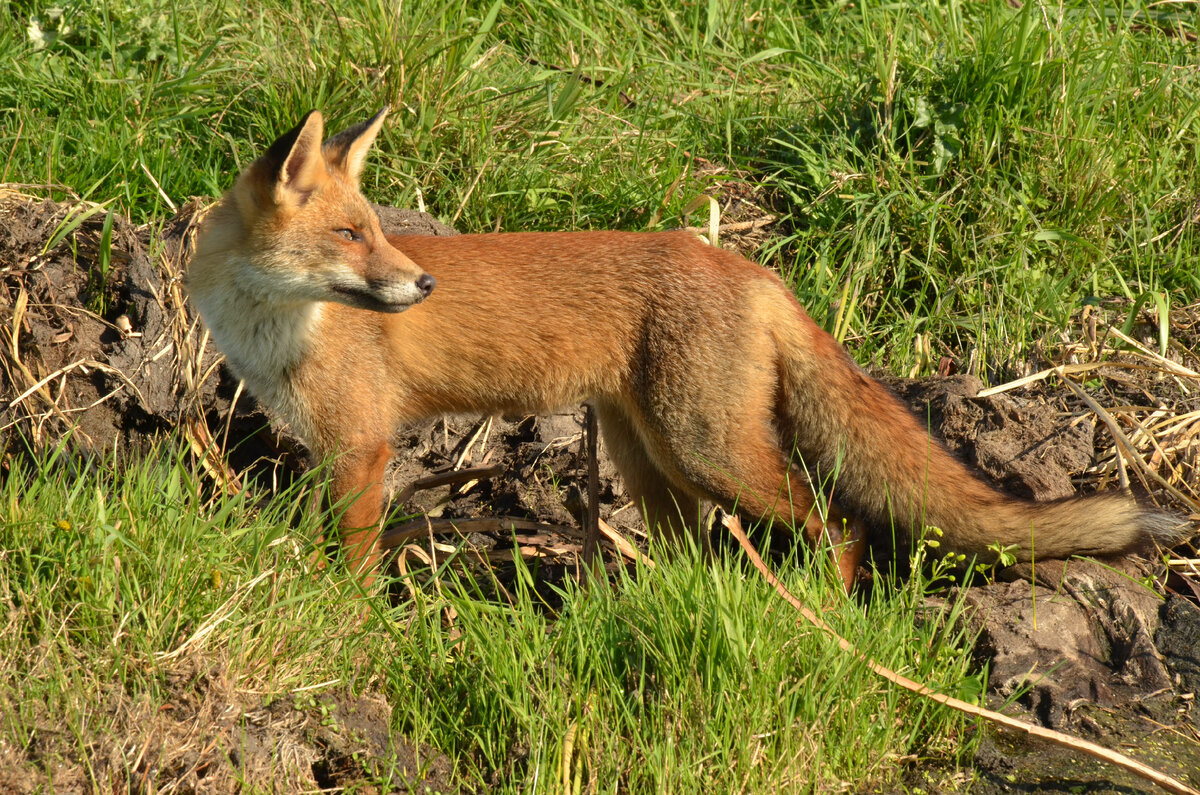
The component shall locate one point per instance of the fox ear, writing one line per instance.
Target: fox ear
(292, 168)
(346, 151)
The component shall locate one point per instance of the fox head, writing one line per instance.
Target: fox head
(296, 227)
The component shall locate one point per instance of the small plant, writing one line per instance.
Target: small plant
(944, 121)
(1004, 557)
(938, 568)
(98, 276)
(47, 27)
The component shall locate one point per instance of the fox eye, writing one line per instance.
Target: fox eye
(348, 234)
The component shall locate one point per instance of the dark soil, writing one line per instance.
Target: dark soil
(112, 361)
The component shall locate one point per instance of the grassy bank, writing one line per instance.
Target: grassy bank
(129, 595)
(944, 178)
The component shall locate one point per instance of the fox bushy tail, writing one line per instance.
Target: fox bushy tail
(884, 468)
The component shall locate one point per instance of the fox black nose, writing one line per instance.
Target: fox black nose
(425, 284)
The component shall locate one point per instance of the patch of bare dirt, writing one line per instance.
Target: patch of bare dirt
(739, 208)
(112, 358)
(1096, 651)
(1108, 651)
(1021, 442)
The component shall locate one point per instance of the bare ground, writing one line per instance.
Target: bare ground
(97, 341)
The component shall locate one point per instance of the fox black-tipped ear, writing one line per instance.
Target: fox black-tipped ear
(347, 150)
(292, 168)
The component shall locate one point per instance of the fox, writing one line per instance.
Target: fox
(710, 382)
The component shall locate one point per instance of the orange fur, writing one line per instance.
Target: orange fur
(704, 370)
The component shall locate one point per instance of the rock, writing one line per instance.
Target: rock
(1082, 630)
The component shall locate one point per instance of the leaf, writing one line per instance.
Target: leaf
(1162, 308)
(770, 52)
(945, 149)
(924, 117)
(69, 224)
(1043, 235)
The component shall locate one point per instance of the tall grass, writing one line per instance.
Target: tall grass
(685, 679)
(966, 171)
(688, 677)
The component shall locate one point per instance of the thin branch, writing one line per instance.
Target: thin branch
(444, 478)
(422, 528)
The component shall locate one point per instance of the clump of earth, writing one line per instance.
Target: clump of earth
(105, 349)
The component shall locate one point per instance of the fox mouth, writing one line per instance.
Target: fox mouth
(370, 300)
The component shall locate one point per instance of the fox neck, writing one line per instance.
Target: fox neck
(265, 342)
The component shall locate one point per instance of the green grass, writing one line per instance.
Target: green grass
(967, 171)
(967, 174)
(686, 678)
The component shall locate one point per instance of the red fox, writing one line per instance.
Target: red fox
(707, 376)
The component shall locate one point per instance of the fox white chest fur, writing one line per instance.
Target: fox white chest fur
(264, 341)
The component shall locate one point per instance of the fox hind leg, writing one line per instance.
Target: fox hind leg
(668, 509)
(775, 492)
(747, 471)
(752, 472)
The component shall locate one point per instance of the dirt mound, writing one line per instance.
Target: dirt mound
(99, 348)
